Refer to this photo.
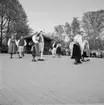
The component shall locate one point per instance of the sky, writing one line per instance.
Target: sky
(45, 14)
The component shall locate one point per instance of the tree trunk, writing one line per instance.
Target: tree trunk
(1, 31)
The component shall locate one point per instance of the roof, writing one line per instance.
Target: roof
(46, 37)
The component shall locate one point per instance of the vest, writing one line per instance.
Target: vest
(40, 39)
(55, 45)
(21, 42)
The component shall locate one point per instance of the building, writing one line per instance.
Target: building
(47, 41)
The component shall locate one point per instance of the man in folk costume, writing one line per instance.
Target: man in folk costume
(21, 44)
(41, 45)
(71, 47)
(86, 51)
(35, 46)
(77, 48)
(54, 49)
(58, 49)
(12, 46)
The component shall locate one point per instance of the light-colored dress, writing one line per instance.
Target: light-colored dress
(41, 44)
(12, 46)
(36, 45)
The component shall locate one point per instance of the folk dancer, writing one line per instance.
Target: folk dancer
(71, 47)
(54, 49)
(12, 46)
(77, 48)
(58, 49)
(41, 45)
(86, 51)
(21, 44)
(35, 47)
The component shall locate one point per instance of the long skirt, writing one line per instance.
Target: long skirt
(58, 50)
(12, 48)
(86, 53)
(76, 52)
(54, 51)
(37, 49)
(33, 51)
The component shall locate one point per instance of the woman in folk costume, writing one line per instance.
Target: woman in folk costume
(71, 47)
(21, 44)
(54, 49)
(41, 45)
(12, 46)
(77, 48)
(86, 51)
(35, 47)
(58, 49)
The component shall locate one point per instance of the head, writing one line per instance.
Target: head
(12, 36)
(82, 33)
(21, 37)
(41, 32)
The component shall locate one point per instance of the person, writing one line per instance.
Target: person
(12, 46)
(21, 44)
(71, 47)
(41, 45)
(35, 47)
(86, 51)
(54, 49)
(77, 48)
(58, 49)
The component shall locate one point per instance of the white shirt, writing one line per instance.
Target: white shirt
(84, 42)
(19, 41)
(10, 40)
(35, 39)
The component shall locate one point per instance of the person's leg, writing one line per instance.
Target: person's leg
(11, 55)
(20, 52)
(33, 53)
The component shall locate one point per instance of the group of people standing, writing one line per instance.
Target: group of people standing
(79, 48)
(15, 46)
(37, 49)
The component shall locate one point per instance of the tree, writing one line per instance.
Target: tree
(67, 28)
(75, 26)
(12, 18)
(93, 22)
(59, 29)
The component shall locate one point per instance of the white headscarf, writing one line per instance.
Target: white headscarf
(35, 38)
(78, 39)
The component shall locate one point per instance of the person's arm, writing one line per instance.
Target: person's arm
(16, 43)
(53, 44)
(9, 42)
(25, 43)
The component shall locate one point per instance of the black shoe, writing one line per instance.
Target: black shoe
(75, 63)
(11, 57)
(33, 60)
(41, 59)
(88, 59)
(83, 60)
(20, 57)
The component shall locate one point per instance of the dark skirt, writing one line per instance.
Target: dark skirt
(37, 49)
(33, 51)
(58, 51)
(76, 51)
(84, 54)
